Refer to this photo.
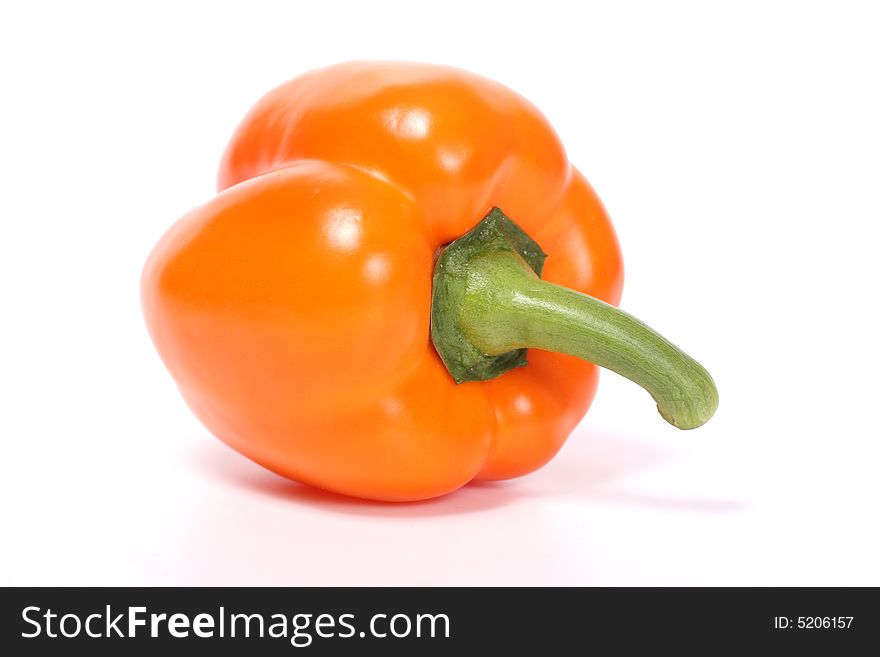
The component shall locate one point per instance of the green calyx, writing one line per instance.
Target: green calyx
(490, 305)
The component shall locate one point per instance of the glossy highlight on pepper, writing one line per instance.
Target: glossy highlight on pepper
(294, 309)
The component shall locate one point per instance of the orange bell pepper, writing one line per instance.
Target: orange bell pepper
(307, 326)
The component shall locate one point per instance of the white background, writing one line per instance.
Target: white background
(737, 148)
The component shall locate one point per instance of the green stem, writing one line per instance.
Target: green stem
(490, 305)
